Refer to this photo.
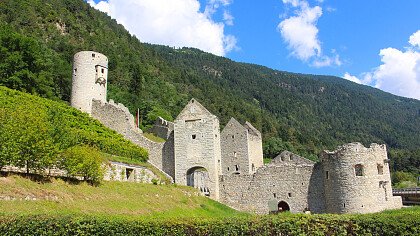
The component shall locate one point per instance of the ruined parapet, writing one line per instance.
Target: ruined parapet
(89, 81)
(117, 117)
(357, 179)
(162, 128)
(197, 147)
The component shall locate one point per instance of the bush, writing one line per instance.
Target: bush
(400, 222)
(83, 161)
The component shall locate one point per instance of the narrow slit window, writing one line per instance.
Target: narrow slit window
(327, 175)
(380, 169)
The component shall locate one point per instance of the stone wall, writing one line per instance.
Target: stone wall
(282, 180)
(357, 179)
(116, 171)
(255, 149)
(117, 117)
(162, 128)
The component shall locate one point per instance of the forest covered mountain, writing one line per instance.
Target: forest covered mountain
(296, 112)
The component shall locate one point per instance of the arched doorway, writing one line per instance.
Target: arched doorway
(282, 206)
(198, 177)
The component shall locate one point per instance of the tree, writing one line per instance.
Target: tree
(83, 161)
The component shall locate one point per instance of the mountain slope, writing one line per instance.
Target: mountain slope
(300, 113)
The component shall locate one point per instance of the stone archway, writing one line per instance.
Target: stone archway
(198, 177)
(282, 206)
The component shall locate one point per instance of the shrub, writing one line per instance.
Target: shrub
(83, 161)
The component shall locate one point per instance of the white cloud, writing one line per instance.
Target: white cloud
(400, 70)
(228, 18)
(301, 34)
(176, 23)
(415, 39)
(352, 78)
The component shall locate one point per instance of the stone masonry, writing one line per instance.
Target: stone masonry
(228, 166)
(241, 148)
(89, 81)
(197, 147)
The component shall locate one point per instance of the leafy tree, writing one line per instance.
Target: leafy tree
(83, 161)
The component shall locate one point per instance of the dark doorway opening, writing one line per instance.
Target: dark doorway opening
(282, 206)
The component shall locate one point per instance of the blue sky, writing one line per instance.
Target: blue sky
(372, 42)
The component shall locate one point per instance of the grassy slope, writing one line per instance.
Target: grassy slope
(110, 198)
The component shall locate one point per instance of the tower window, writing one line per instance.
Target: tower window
(253, 167)
(233, 136)
(289, 194)
(358, 170)
(194, 136)
(93, 54)
(327, 175)
(102, 70)
(380, 169)
(237, 167)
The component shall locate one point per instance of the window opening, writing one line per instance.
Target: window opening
(193, 136)
(237, 167)
(93, 54)
(327, 175)
(358, 170)
(289, 194)
(380, 169)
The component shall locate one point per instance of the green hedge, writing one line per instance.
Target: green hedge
(285, 224)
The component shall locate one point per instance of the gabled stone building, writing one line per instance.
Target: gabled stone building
(241, 147)
(197, 149)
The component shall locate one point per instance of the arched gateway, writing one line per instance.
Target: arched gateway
(197, 148)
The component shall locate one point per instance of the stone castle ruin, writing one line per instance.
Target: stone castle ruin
(228, 165)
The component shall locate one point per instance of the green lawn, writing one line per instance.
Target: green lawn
(110, 198)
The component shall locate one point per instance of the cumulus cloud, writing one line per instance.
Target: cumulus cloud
(399, 72)
(301, 34)
(178, 23)
(352, 78)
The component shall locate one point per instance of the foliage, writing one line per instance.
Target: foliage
(301, 113)
(83, 161)
(283, 224)
(401, 179)
(34, 131)
(154, 138)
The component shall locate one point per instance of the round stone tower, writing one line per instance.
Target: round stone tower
(357, 179)
(90, 73)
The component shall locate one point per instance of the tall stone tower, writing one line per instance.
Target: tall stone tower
(90, 73)
(197, 149)
(357, 179)
(241, 146)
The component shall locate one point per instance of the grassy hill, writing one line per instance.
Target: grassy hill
(296, 112)
(123, 199)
